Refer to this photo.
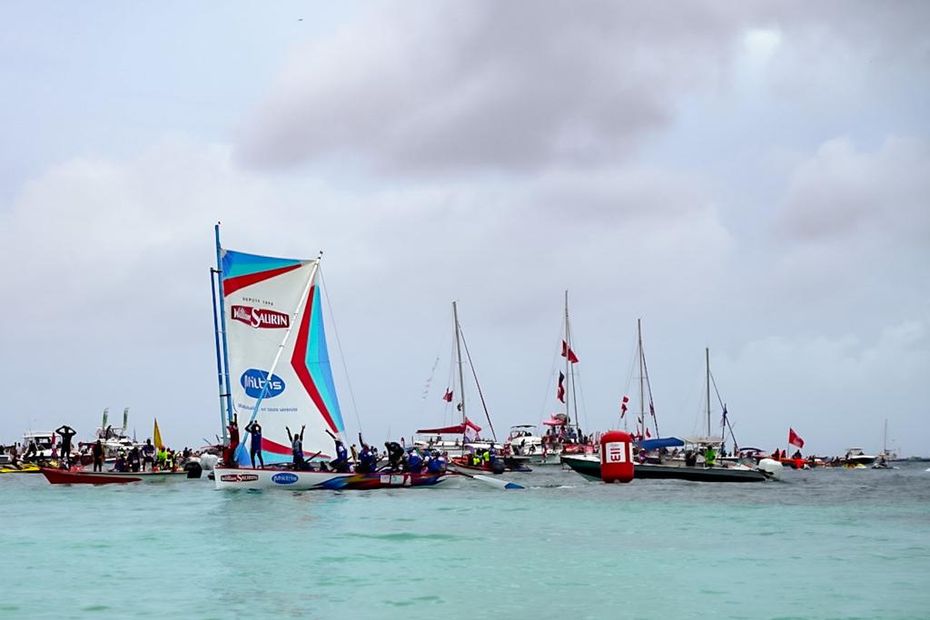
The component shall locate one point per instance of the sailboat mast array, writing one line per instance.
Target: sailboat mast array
(458, 355)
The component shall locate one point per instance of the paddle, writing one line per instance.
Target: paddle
(490, 481)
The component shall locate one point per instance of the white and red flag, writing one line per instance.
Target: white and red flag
(794, 439)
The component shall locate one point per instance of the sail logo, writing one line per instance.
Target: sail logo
(284, 478)
(261, 318)
(257, 383)
(239, 477)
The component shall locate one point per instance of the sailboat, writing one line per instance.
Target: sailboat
(462, 441)
(271, 339)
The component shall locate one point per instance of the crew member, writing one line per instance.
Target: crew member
(66, 433)
(97, 453)
(148, 455)
(395, 453)
(297, 447)
(341, 462)
(255, 443)
(367, 461)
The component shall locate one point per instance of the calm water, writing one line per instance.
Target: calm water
(822, 544)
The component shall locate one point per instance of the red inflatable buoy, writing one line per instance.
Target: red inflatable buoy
(616, 457)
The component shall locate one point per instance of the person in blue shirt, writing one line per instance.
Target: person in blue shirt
(255, 445)
(341, 462)
(297, 447)
(367, 460)
(414, 461)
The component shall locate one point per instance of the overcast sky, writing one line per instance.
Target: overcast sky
(748, 177)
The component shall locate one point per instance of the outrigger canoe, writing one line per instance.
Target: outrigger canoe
(300, 480)
(64, 476)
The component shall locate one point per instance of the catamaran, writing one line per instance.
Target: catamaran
(270, 337)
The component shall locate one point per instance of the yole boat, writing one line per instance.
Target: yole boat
(67, 476)
(274, 343)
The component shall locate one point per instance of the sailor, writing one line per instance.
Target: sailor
(414, 461)
(148, 454)
(97, 452)
(710, 456)
(255, 443)
(120, 464)
(229, 452)
(66, 433)
(297, 447)
(367, 460)
(341, 462)
(436, 464)
(395, 453)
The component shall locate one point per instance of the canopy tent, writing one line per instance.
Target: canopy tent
(660, 442)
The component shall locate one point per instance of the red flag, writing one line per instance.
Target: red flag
(648, 434)
(568, 353)
(560, 393)
(794, 439)
(623, 403)
(447, 396)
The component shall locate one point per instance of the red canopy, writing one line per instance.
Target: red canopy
(458, 429)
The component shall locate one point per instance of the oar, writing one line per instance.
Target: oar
(494, 482)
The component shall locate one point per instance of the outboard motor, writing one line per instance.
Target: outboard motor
(193, 469)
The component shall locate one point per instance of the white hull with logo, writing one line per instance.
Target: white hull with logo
(257, 479)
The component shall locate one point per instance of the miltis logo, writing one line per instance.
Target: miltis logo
(253, 380)
(260, 318)
(284, 478)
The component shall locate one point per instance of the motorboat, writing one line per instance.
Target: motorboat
(856, 456)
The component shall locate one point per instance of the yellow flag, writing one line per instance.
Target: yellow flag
(156, 436)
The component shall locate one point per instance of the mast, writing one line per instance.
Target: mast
(458, 355)
(569, 393)
(222, 305)
(641, 420)
(219, 360)
(707, 366)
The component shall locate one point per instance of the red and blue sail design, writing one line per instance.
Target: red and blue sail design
(280, 372)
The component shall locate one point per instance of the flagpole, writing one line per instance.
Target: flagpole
(707, 368)
(219, 270)
(641, 421)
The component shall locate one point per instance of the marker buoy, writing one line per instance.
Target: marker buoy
(616, 457)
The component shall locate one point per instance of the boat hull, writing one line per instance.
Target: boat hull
(591, 469)
(64, 476)
(320, 480)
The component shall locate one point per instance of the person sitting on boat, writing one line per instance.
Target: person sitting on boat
(148, 455)
(797, 455)
(414, 461)
(97, 452)
(341, 462)
(367, 460)
(297, 447)
(436, 464)
(710, 457)
(133, 459)
(255, 443)
(395, 454)
(121, 464)
(161, 458)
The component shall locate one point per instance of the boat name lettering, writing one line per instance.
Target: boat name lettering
(261, 317)
(284, 478)
(239, 477)
(254, 380)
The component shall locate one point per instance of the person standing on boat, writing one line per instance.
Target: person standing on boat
(97, 452)
(297, 447)
(229, 452)
(148, 455)
(66, 433)
(710, 457)
(255, 443)
(395, 453)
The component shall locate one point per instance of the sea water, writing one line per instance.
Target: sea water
(820, 544)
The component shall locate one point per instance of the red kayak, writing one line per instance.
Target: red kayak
(63, 476)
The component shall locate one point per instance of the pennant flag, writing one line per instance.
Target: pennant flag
(794, 439)
(652, 409)
(447, 396)
(623, 407)
(724, 412)
(156, 436)
(648, 434)
(560, 393)
(568, 353)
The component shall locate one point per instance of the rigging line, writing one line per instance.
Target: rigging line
(652, 408)
(342, 355)
(551, 376)
(477, 384)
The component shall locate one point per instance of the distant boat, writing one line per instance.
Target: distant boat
(65, 476)
(856, 456)
(590, 468)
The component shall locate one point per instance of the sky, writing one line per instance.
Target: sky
(752, 178)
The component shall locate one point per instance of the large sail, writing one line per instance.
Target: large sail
(279, 367)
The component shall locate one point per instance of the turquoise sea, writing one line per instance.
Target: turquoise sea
(821, 544)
